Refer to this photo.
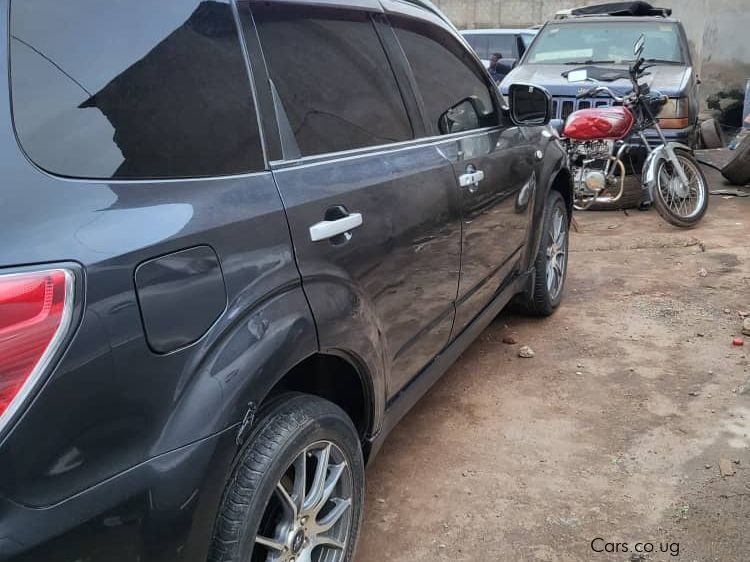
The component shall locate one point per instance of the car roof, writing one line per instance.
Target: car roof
(612, 19)
(498, 31)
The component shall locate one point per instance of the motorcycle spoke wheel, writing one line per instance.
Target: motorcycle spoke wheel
(683, 202)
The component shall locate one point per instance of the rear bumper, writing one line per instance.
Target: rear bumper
(162, 510)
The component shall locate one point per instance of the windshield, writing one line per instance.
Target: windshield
(605, 42)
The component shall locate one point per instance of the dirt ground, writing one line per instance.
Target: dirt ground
(616, 429)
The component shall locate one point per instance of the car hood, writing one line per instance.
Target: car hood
(669, 79)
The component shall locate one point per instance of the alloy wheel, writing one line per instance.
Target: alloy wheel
(557, 249)
(309, 516)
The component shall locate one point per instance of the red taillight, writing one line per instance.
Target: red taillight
(34, 314)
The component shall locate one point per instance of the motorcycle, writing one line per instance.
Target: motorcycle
(597, 143)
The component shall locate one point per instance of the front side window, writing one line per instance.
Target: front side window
(333, 77)
(611, 42)
(123, 89)
(450, 82)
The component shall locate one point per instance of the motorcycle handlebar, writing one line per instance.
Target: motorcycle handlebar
(600, 90)
(588, 93)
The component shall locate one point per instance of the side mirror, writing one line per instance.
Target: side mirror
(529, 105)
(466, 115)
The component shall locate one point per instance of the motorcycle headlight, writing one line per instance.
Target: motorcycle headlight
(674, 114)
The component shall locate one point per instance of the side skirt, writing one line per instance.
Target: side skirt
(401, 403)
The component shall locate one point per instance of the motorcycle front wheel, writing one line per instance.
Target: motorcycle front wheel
(681, 205)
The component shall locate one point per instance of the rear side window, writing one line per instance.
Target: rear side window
(480, 43)
(502, 44)
(447, 75)
(123, 89)
(333, 77)
(487, 45)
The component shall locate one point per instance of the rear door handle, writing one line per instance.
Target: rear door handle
(471, 178)
(325, 230)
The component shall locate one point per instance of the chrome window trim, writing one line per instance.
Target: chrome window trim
(321, 159)
(147, 181)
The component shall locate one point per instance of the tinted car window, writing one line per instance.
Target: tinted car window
(480, 43)
(487, 44)
(446, 73)
(333, 77)
(503, 44)
(123, 89)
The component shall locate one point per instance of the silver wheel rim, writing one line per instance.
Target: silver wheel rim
(557, 249)
(682, 201)
(309, 516)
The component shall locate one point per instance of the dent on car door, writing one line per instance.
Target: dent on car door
(493, 162)
(380, 265)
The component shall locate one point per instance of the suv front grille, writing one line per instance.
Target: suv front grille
(563, 107)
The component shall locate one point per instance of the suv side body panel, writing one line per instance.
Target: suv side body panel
(495, 212)
(384, 292)
(388, 295)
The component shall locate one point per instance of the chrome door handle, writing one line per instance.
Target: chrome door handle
(471, 179)
(325, 230)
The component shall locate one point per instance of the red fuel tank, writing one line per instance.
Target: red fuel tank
(610, 123)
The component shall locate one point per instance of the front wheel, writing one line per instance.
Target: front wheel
(551, 262)
(679, 204)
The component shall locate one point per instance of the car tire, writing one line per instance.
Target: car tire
(737, 170)
(553, 247)
(266, 508)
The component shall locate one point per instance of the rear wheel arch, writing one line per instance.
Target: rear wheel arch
(335, 377)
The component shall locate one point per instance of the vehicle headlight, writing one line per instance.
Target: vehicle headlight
(674, 114)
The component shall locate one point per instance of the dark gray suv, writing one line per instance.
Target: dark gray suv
(240, 240)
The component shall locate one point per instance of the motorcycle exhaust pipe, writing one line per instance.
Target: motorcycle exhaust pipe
(609, 199)
(596, 182)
